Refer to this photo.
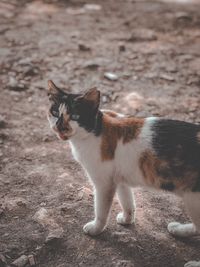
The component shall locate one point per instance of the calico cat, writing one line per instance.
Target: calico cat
(118, 152)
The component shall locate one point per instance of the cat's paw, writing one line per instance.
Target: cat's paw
(92, 228)
(192, 264)
(121, 219)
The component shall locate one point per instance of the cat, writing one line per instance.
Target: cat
(118, 152)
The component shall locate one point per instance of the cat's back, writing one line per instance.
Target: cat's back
(160, 152)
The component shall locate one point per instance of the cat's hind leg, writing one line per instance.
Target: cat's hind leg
(192, 202)
(182, 230)
(126, 200)
(103, 196)
(192, 264)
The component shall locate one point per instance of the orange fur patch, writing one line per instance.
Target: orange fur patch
(111, 113)
(152, 169)
(118, 128)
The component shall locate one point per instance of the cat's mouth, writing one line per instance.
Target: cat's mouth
(61, 126)
(65, 132)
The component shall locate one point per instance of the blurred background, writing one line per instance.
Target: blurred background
(144, 56)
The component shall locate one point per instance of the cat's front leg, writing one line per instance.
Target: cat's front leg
(126, 200)
(103, 196)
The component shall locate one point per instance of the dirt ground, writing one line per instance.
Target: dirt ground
(153, 48)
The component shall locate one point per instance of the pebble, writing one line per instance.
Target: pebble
(182, 15)
(92, 65)
(43, 217)
(30, 71)
(84, 48)
(167, 77)
(122, 47)
(2, 122)
(142, 35)
(110, 76)
(20, 262)
(124, 263)
(92, 7)
(2, 260)
(54, 234)
(14, 85)
(31, 260)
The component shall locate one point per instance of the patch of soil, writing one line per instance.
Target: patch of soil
(152, 51)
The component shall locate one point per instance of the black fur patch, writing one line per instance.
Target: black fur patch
(176, 143)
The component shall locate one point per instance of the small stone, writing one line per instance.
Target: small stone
(75, 11)
(105, 99)
(31, 260)
(122, 47)
(124, 263)
(46, 138)
(2, 122)
(92, 65)
(142, 35)
(30, 99)
(84, 48)
(2, 260)
(43, 217)
(150, 75)
(183, 15)
(167, 77)
(54, 234)
(14, 85)
(110, 76)
(30, 71)
(20, 262)
(92, 7)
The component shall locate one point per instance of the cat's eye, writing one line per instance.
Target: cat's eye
(54, 111)
(75, 117)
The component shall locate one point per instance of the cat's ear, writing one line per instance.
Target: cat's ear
(54, 92)
(93, 97)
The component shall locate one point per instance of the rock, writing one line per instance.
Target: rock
(30, 71)
(14, 85)
(105, 99)
(75, 11)
(110, 76)
(2, 122)
(183, 15)
(166, 77)
(31, 260)
(15, 203)
(92, 65)
(20, 262)
(122, 47)
(43, 217)
(124, 263)
(142, 35)
(2, 260)
(150, 75)
(48, 138)
(194, 80)
(92, 7)
(54, 234)
(84, 48)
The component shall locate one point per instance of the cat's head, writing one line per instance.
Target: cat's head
(69, 111)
